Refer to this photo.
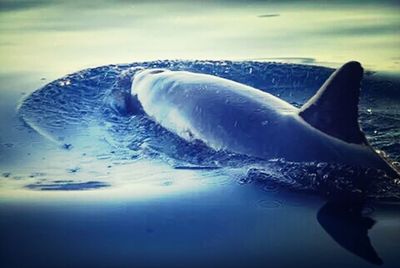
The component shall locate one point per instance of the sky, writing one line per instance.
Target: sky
(65, 36)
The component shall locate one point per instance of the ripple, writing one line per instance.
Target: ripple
(6, 174)
(91, 102)
(368, 210)
(216, 178)
(269, 204)
(271, 187)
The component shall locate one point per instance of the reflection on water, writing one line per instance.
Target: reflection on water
(349, 228)
(67, 185)
(171, 212)
(185, 215)
(228, 226)
(64, 36)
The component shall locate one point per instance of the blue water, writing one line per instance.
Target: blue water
(86, 182)
(92, 104)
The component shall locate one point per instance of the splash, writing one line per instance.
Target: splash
(88, 112)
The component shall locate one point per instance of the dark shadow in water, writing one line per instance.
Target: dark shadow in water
(67, 185)
(197, 167)
(349, 228)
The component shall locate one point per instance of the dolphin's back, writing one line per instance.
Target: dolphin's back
(231, 116)
(208, 89)
(222, 113)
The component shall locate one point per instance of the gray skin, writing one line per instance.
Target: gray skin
(227, 115)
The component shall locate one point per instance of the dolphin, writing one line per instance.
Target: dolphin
(227, 115)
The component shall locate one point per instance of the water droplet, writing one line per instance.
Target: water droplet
(67, 146)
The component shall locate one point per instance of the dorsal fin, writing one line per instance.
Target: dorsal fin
(334, 108)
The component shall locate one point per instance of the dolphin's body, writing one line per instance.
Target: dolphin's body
(227, 115)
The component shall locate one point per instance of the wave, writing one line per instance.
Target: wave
(87, 109)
